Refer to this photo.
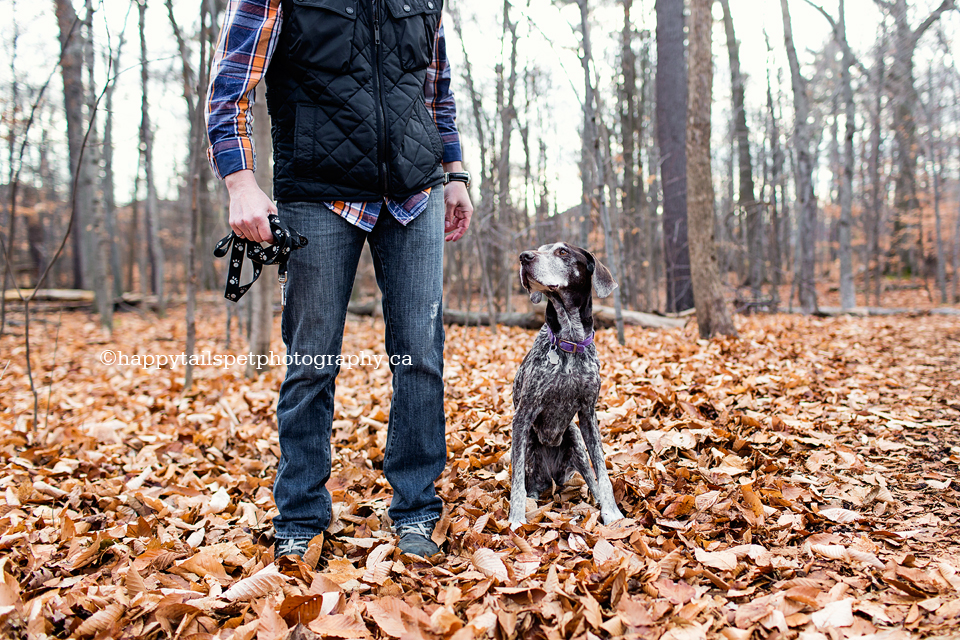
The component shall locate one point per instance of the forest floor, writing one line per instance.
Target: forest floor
(800, 481)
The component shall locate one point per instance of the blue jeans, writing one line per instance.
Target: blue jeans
(409, 269)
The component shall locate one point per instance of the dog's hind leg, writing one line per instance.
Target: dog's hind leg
(602, 489)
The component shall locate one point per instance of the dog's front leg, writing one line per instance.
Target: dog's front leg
(590, 430)
(520, 441)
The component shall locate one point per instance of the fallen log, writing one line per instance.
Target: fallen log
(51, 295)
(530, 320)
(603, 317)
(864, 312)
(77, 298)
(607, 318)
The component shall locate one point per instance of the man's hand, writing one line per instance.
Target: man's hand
(459, 208)
(249, 207)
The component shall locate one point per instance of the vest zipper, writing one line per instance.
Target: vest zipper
(381, 111)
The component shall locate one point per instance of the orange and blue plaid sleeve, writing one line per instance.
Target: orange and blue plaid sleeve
(440, 99)
(246, 44)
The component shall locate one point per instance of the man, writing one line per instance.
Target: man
(364, 138)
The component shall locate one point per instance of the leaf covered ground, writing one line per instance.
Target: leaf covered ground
(800, 481)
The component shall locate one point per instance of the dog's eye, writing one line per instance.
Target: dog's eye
(561, 252)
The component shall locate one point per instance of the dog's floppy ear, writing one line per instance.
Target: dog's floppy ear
(603, 281)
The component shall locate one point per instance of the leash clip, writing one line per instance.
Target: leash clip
(282, 279)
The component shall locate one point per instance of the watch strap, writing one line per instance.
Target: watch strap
(457, 176)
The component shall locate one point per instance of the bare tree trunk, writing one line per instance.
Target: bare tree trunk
(654, 232)
(671, 132)
(71, 68)
(195, 160)
(904, 98)
(649, 197)
(848, 291)
(135, 257)
(631, 134)
(151, 213)
(804, 174)
(776, 180)
(483, 212)
(11, 116)
(507, 114)
(713, 316)
(955, 293)
(109, 186)
(610, 235)
(261, 325)
(933, 153)
(875, 264)
(848, 294)
(588, 162)
(97, 240)
(526, 230)
(753, 209)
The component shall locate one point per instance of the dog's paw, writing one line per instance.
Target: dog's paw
(516, 524)
(609, 517)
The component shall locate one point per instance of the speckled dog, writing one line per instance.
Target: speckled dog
(558, 379)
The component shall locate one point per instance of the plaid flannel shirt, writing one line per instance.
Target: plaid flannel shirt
(246, 45)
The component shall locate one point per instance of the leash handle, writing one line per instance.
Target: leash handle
(285, 240)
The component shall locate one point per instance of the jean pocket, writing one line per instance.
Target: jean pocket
(417, 22)
(323, 33)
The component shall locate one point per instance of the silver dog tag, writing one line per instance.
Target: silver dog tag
(553, 357)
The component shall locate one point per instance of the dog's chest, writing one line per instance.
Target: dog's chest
(551, 377)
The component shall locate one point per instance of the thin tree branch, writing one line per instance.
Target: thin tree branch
(945, 6)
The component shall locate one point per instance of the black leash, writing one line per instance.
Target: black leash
(285, 240)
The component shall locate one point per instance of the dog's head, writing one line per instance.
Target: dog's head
(560, 268)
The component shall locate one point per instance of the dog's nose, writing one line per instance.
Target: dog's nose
(527, 257)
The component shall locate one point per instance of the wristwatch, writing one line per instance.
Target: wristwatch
(457, 176)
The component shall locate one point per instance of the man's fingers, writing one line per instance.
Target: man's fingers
(249, 212)
(263, 228)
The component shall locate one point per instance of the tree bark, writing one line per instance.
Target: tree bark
(95, 235)
(904, 97)
(631, 134)
(196, 158)
(151, 213)
(588, 161)
(776, 259)
(671, 133)
(649, 200)
(848, 292)
(848, 295)
(109, 184)
(934, 153)
(71, 69)
(261, 325)
(875, 262)
(803, 168)
(753, 210)
(955, 292)
(482, 213)
(713, 316)
(13, 105)
(610, 235)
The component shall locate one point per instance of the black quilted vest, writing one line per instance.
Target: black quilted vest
(345, 94)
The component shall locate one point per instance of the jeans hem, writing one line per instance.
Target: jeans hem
(417, 520)
(296, 535)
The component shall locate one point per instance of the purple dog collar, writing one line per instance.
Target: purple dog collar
(569, 346)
